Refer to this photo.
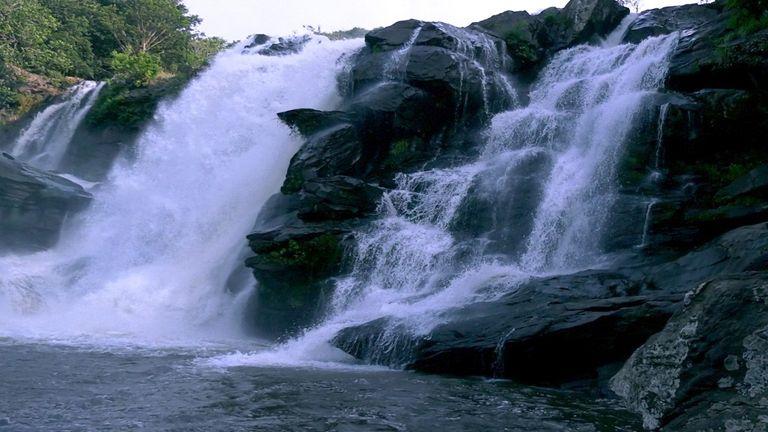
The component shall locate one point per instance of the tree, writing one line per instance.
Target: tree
(749, 16)
(152, 25)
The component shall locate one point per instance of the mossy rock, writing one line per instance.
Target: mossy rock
(128, 107)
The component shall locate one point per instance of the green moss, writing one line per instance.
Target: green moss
(521, 46)
(128, 107)
(317, 256)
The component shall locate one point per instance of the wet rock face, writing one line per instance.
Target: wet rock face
(417, 91)
(667, 20)
(592, 19)
(559, 331)
(548, 332)
(34, 205)
(708, 368)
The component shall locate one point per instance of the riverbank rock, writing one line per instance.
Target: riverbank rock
(33, 205)
(708, 368)
(561, 331)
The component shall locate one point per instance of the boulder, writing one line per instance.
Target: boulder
(754, 183)
(713, 55)
(556, 331)
(331, 152)
(392, 37)
(668, 20)
(310, 121)
(549, 331)
(708, 368)
(590, 20)
(338, 198)
(284, 46)
(34, 204)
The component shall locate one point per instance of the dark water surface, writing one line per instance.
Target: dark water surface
(55, 388)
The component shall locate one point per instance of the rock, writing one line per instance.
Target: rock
(691, 166)
(309, 121)
(338, 198)
(292, 264)
(548, 331)
(34, 204)
(450, 64)
(286, 46)
(754, 183)
(592, 19)
(505, 23)
(556, 331)
(740, 250)
(392, 37)
(258, 39)
(668, 20)
(708, 368)
(712, 55)
(331, 152)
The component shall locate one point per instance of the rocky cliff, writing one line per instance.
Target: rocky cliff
(688, 223)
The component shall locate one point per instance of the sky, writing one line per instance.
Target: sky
(237, 19)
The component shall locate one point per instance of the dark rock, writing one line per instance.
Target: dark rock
(309, 121)
(331, 152)
(668, 20)
(714, 56)
(34, 204)
(392, 37)
(258, 39)
(286, 46)
(338, 198)
(559, 330)
(708, 368)
(546, 332)
(391, 111)
(592, 19)
(505, 23)
(292, 264)
(754, 183)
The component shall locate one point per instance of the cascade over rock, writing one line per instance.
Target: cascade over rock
(557, 330)
(417, 92)
(33, 205)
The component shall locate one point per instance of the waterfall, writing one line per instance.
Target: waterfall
(656, 174)
(44, 142)
(647, 223)
(548, 179)
(150, 259)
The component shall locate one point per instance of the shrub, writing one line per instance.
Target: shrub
(136, 69)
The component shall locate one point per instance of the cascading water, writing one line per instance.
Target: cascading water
(44, 142)
(150, 259)
(548, 178)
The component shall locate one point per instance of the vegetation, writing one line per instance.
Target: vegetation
(131, 43)
(749, 16)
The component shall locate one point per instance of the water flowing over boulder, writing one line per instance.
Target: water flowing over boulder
(417, 91)
(668, 20)
(562, 330)
(708, 368)
(34, 204)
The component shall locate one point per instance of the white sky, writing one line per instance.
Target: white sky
(236, 19)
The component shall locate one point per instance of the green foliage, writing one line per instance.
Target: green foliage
(749, 16)
(128, 107)
(135, 69)
(131, 43)
(521, 47)
(9, 98)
